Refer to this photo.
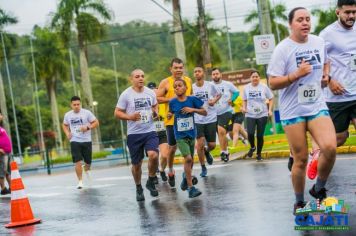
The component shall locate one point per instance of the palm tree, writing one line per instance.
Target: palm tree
(51, 67)
(5, 19)
(277, 13)
(79, 14)
(178, 29)
(193, 43)
(325, 18)
(74, 13)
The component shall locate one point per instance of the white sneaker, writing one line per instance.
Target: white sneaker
(87, 174)
(80, 185)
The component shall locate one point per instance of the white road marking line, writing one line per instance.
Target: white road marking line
(43, 195)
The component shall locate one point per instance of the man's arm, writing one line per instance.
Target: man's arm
(122, 115)
(161, 92)
(66, 131)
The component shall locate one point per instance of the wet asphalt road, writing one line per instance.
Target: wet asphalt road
(239, 198)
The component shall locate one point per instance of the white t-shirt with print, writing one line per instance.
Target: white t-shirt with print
(142, 102)
(303, 97)
(341, 48)
(205, 93)
(75, 120)
(256, 100)
(227, 89)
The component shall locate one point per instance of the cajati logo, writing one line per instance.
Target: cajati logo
(330, 214)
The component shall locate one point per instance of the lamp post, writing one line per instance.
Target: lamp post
(123, 140)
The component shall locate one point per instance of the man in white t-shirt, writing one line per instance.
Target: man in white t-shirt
(224, 110)
(340, 42)
(138, 106)
(206, 125)
(77, 126)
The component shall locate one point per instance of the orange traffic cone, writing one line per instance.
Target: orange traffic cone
(21, 212)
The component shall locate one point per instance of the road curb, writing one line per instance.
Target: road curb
(267, 154)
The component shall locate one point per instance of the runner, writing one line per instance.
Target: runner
(164, 94)
(138, 106)
(296, 68)
(238, 131)
(77, 126)
(224, 110)
(183, 107)
(162, 136)
(5, 150)
(341, 48)
(206, 125)
(254, 105)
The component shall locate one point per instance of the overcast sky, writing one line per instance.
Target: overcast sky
(31, 12)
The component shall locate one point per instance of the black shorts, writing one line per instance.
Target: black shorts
(170, 136)
(208, 131)
(225, 121)
(342, 113)
(81, 151)
(162, 137)
(138, 144)
(238, 118)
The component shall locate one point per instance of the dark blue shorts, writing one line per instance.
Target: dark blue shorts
(170, 135)
(139, 143)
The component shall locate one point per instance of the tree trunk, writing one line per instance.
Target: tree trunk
(203, 33)
(178, 31)
(3, 107)
(55, 114)
(87, 98)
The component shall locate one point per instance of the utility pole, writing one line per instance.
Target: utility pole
(178, 31)
(3, 107)
(266, 28)
(204, 39)
(228, 39)
(11, 96)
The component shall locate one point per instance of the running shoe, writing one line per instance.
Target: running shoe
(150, 185)
(184, 183)
(321, 194)
(193, 192)
(312, 170)
(155, 180)
(208, 156)
(204, 171)
(290, 162)
(139, 195)
(259, 157)
(297, 206)
(5, 191)
(87, 174)
(163, 176)
(194, 180)
(224, 156)
(171, 179)
(251, 151)
(80, 184)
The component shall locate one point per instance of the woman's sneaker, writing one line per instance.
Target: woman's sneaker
(251, 151)
(193, 192)
(312, 170)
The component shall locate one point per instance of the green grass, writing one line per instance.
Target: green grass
(61, 159)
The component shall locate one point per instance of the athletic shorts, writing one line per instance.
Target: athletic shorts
(208, 131)
(81, 151)
(305, 119)
(162, 137)
(342, 113)
(238, 118)
(170, 135)
(186, 146)
(4, 165)
(225, 121)
(138, 144)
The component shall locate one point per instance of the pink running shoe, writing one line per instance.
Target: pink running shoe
(312, 169)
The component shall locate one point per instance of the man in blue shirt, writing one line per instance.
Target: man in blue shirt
(183, 108)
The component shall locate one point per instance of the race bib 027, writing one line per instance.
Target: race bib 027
(308, 93)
